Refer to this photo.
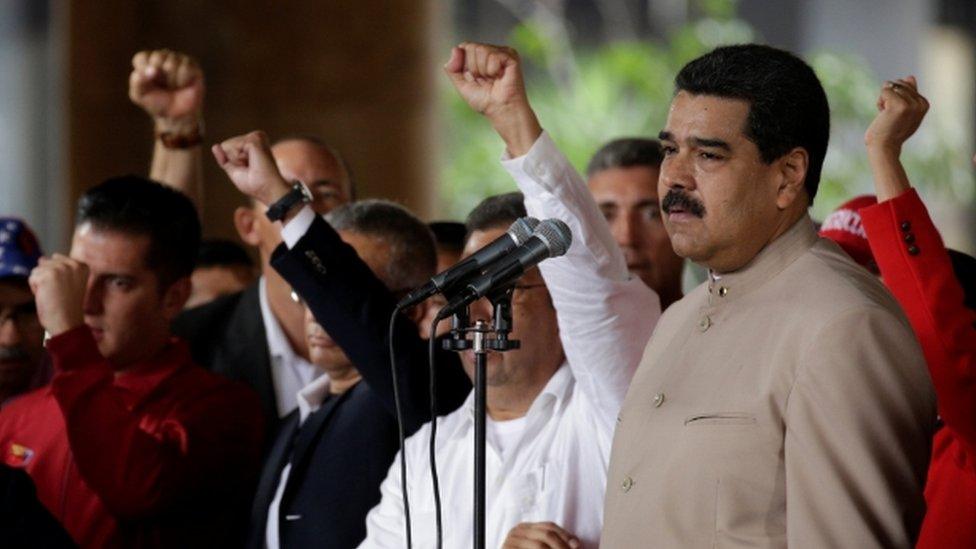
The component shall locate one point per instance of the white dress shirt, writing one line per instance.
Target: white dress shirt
(289, 371)
(296, 227)
(557, 469)
(310, 398)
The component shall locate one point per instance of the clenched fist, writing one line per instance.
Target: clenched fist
(248, 163)
(59, 284)
(168, 85)
(900, 111)
(489, 79)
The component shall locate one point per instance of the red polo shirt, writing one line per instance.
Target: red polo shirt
(163, 454)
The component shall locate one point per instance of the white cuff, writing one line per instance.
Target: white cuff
(294, 230)
(536, 162)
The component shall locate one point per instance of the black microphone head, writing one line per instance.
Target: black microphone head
(555, 235)
(522, 229)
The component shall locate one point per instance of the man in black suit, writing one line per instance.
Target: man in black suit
(323, 473)
(24, 521)
(257, 335)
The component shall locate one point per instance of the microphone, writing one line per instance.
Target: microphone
(551, 239)
(517, 234)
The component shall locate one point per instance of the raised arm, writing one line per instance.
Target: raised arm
(915, 264)
(169, 86)
(605, 316)
(139, 464)
(344, 295)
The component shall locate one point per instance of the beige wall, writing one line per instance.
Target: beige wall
(358, 73)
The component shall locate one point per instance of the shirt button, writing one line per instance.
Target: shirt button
(704, 323)
(658, 400)
(909, 238)
(723, 291)
(906, 226)
(627, 484)
(913, 250)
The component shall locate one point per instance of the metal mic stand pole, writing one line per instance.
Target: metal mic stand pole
(482, 345)
(480, 413)
(501, 301)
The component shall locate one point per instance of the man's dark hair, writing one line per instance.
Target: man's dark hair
(219, 252)
(449, 235)
(413, 257)
(626, 152)
(787, 104)
(139, 206)
(496, 211)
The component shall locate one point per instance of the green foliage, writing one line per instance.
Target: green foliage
(585, 98)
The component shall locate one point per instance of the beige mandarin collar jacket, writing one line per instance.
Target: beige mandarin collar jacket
(769, 262)
(784, 404)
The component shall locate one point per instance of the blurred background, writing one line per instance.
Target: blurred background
(365, 75)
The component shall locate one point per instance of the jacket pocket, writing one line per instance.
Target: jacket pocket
(720, 418)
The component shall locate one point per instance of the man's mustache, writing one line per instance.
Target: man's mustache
(678, 199)
(13, 354)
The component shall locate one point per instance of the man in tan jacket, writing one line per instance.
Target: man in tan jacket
(784, 402)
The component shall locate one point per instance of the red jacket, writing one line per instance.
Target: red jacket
(163, 455)
(917, 270)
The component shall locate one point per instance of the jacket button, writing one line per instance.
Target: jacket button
(909, 238)
(913, 250)
(627, 484)
(723, 291)
(704, 323)
(658, 400)
(906, 226)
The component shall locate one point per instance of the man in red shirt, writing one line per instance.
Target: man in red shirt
(131, 444)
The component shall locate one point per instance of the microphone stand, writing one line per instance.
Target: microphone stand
(482, 344)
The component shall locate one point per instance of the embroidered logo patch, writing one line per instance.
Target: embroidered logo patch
(19, 456)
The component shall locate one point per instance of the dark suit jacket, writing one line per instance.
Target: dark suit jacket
(227, 337)
(338, 459)
(342, 453)
(24, 521)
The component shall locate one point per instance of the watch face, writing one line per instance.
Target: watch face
(306, 193)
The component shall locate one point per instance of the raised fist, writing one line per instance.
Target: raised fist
(489, 79)
(167, 84)
(248, 163)
(59, 284)
(900, 111)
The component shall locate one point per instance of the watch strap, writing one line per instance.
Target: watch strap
(297, 195)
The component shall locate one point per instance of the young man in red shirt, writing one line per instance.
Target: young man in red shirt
(131, 444)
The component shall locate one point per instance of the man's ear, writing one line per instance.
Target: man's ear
(245, 221)
(793, 168)
(175, 298)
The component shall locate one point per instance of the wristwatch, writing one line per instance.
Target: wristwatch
(299, 194)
